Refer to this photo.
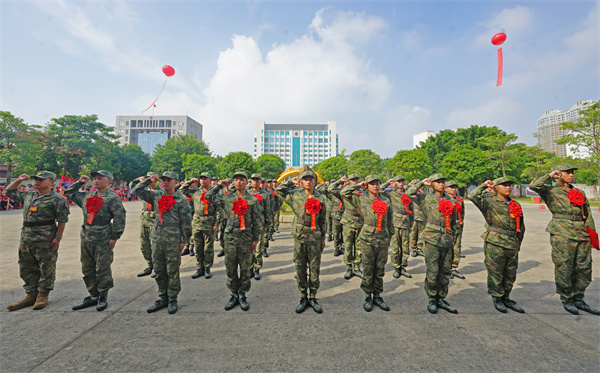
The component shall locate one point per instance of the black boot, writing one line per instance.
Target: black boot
(221, 253)
(199, 272)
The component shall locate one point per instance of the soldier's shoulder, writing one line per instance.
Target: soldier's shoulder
(59, 197)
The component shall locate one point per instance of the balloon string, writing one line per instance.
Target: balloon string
(500, 68)
(152, 104)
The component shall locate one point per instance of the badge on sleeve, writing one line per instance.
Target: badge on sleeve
(33, 208)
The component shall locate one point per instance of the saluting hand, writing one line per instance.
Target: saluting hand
(223, 183)
(344, 179)
(23, 177)
(154, 178)
(489, 183)
(554, 174)
(363, 184)
(84, 179)
(427, 181)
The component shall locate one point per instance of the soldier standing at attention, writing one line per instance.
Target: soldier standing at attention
(146, 224)
(416, 231)
(309, 230)
(222, 219)
(271, 202)
(352, 222)
(40, 236)
(570, 230)
(459, 205)
(204, 224)
(502, 239)
(336, 217)
(275, 206)
(104, 223)
(169, 235)
(374, 237)
(438, 238)
(403, 218)
(264, 203)
(244, 227)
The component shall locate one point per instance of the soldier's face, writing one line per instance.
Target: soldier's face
(399, 184)
(240, 183)
(204, 182)
(353, 181)
(101, 182)
(503, 190)
(255, 183)
(169, 184)
(567, 176)
(452, 190)
(308, 182)
(374, 186)
(42, 183)
(439, 185)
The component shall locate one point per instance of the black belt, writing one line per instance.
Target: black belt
(98, 221)
(502, 231)
(236, 224)
(30, 224)
(568, 217)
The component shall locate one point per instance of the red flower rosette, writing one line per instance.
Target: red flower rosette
(406, 201)
(93, 204)
(205, 202)
(577, 199)
(312, 207)
(446, 208)
(273, 193)
(165, 203)
(380, 209)
(240, 207)
(458, 206)
(258, 197)
(516, 212)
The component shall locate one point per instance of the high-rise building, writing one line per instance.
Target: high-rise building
(296, 144)
(149, 131)
(548, 127)
(422, 137)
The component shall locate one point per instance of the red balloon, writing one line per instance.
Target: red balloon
(170, 71)
(499, 38)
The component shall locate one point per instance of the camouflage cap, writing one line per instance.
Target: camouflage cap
(451, 184)
(502, 180)
(437, 177)
(564, 167)
(45, 175)
(170, 175)
(255, 176)
(353, 176)
(372, 177)
(398, 178)
(206, 175)
(264, 180)
(229, 180)
(414, 181)
(333, 180)
(240, 173)
(102, 173)
(214, 178)
(308, 173)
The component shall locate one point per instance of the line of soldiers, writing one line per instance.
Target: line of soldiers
(366, 215)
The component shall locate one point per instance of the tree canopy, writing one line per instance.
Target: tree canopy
(332, 168)
(236, 161)
(269, 166)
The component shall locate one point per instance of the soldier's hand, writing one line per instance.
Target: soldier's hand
(23, 177)
(344, 179)
(181, 247)
(223, 183)
(154, 178)
(489, 183)
(363, 184)
(427, 182)
(295, 180)
(322, 246)
(84, 179)
(54, 245)
(141, 178)
(254, 243)
(193, 180)
(554, 174)
(111, 244)
(214, 230)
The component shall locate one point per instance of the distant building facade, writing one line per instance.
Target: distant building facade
(422, 137)
(148, 131)
(297, 144)
(548, 128)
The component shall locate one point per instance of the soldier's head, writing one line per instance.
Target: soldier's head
(451, 188)
(170, 179)
(502, 187)
(567, 172)
(353, 179)
(43, 180)
(256, 181)
(373, 184)
(308, 181)
(102, 179)
(438, 183)
(398, 182)
(240, 181)
(205, 180)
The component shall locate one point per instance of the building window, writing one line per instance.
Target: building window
(180, 131)
(181, 124)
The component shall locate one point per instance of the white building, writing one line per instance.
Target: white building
(296, 144)
(148, 131)
(421, 137)
(548, 129)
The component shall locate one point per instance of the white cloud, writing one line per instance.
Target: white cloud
(490, 113)
(402, 123)
(515, 22)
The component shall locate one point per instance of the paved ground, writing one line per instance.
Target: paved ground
(272, 337)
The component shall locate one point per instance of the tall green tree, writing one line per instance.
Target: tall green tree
(332, 168)
(170, 156)
(134, 162)
(412, 164)
(19, 144)
(499, 149)
(195, 164)
(466, 166)
(365, 162)
(236, 161)
(269, 166)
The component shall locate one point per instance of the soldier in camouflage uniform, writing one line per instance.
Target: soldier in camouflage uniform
(40, 236)
(241, 235)
(222, 219)
(403, 219)
(169, 235)
(204, 224)
(352, 222)
(452, 191)
(569, 236)
(146, 224)
(99, 234)
(275, 206)
(309, 234)
(336, 217)
(189, 246)
(264, 203)
(418, 226)
(374, 237)
(438, 238)
(504, 233)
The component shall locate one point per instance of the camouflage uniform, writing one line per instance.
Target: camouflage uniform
(459, 231)
(264, 204)
(403, 220)
(170, 230)
(238, 243)
(275, 206)
(352, 222)
(37, 262)
(108, 224)
(373, 243)
(146, 223)
(307, 241)
(418, 226)
(571, 248)
(502, 242)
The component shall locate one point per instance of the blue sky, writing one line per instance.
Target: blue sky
(382, 70)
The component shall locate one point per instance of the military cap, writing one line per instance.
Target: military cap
(102, 173)
(308, 173)
(170, 175)
(398, 178)
(256, 176)
(564, 167)
(264, 180)
(45, 175)
(370, 178)
(150, 173)
(436, 177)
(240, 173)
(214, 177)
(333, 180)
(353, 176)
(502, 180)
(414, 181)
(229, 180)
(206, 175)
(451, 184)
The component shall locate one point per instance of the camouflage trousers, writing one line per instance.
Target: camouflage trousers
(329, 221)
(338, 237)
(457, 247)
(276, 220)
(167, 260)
(416, 234)
(204, 241)
(501, 264)
(257, 258)
(238, 253)
(307, 254)
(400, 248)
(351, 250)
(572, 267)
(37, 266)
(439, 268)
(374, 256)
(221, 228)
(146, 244)
(96, 258)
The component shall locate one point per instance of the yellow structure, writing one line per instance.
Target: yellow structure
(290, 173)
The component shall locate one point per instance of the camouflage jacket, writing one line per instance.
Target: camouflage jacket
(501, 228)
(322, 188)
(435, 232)
(253, 217)
(49, 207)
(276, 205)
(559, 204)
(350, 217)
(363, 203)
(461, 219)
(296, 199)
(201, 221)
(148, 215)
(176, 224)
(109, 221)
(403, 219)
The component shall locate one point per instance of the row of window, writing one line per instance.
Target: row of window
(287, 133)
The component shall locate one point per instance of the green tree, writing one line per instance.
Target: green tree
(269, 166)
(412, 164)
(134, 162)
(365, 162)
(499, 149)
(466, 166)
(236, 161)
(19, 144)
(332, 168)
(195, 164)
(537, 162)
(170, 156)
